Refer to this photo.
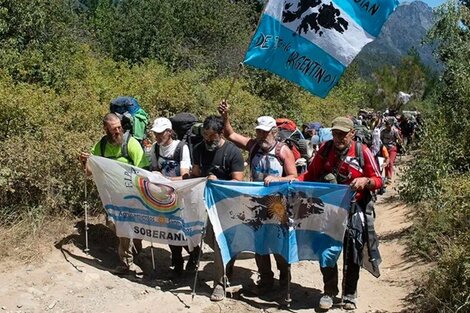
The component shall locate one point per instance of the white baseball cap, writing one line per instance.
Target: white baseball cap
(161, 124)
(265, 123)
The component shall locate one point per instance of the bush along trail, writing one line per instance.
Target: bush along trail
(67, 280)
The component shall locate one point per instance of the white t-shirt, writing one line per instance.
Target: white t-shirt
(165, 163)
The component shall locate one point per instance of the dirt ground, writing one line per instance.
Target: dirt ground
(68, 280)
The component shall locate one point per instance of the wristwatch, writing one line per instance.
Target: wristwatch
(369, 182)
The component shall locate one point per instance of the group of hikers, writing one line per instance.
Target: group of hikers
(341, 159)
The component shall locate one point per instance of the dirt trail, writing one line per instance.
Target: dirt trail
(68, 280)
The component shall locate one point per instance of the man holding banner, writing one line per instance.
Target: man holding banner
(343, 161)
(121, 147)
(270, 161)
(217, 159)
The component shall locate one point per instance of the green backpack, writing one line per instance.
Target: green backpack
(133, 118)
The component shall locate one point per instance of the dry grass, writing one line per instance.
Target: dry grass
(28, 240)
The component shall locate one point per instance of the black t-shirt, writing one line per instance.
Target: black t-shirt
(221, 162)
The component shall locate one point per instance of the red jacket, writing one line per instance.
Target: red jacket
(349, 169)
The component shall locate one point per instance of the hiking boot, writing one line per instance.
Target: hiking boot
(326, 302)
(218, 293)
(264, 286)
(178, 269)
(191, 265)
(349, 302)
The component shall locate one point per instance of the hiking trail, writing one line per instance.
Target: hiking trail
(68, 280)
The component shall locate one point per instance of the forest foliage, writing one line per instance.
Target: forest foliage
(62, 61)
(438, 180)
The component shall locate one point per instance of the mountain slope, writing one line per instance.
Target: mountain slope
(404, 30)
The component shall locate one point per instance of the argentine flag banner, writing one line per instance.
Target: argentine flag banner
(147, 206)
(311, 42)
(298, 220)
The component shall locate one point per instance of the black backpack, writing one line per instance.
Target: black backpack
(187, 129)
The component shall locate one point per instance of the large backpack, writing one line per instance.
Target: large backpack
(133, 118)
(293, 138)
(363, 135)
(187, 129)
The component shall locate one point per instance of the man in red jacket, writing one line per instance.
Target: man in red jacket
(344, 161)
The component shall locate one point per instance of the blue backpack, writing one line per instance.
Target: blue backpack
(133, 118)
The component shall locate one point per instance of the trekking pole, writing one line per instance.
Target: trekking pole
(85, 205)
(153, 256)
(288, 298)
(201, 245)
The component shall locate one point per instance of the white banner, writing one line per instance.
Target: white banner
(148, 206)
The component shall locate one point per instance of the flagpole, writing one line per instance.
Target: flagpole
(241, 64)
(235, 77)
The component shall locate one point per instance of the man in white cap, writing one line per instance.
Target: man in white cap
(171, 158)
(270, 161)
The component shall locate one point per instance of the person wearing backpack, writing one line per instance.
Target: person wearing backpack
(270, 161)
(342, 160)
(391, 138)
(124, 148)
(217, 158)
(171, 158)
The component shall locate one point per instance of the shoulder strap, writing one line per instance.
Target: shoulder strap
(277, 152)
(124, 149)
(360, 154)
(326, 149)
(178, 155)
(252, 152)
(157, 151)
(103, 142)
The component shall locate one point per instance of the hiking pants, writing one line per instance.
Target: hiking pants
(127, 248)
(177, 256)
(264, 268)
(350, 279)
(392, 151)
(218, 271)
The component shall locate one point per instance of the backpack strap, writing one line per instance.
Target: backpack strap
(360, 154)
(157, 153)
(252, 152)
(326, 150)
(103, 142)
(125, 143)
(124, 149)
(277, 153)
(178, 155)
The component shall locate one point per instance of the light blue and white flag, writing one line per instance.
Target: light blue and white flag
(300, 220)
(147, 206)
(311, 42)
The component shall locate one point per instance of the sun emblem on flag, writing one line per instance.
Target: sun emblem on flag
(158, 197)
(277, 208)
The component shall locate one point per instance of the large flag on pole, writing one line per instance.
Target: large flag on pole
(148, 206)
(299, 220)
(311, 42)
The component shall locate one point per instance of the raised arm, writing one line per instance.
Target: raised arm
(238, 139)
